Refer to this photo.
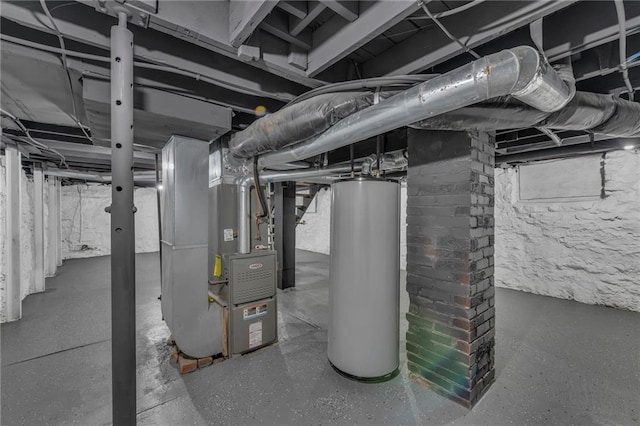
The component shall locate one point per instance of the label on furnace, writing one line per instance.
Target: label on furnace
(255, 334)
(254, 311)
(228, 234)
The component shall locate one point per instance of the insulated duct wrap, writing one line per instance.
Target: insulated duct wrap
(597, 113)
(503, 112)
(625, 121)
(298, 122)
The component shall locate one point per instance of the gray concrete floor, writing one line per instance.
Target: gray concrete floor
(558, 362)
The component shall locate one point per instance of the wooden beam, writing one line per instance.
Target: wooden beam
(297, 25)
(245, 16)
(278, 25)
(345, 8)
(297, 57)
(473, 27)
(295, 8)
(183, 45)
(334, 40)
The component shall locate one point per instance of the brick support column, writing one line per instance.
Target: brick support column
(450, 341)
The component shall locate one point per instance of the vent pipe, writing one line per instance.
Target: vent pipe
(244, 194)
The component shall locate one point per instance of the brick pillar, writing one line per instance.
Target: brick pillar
(450, 342)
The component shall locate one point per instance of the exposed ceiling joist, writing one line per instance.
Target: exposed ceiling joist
(345, 8)
(84, 25)
(473, 27)
(95, 154)
(334, 40)
(298, 24)
(157, 115)
(245, 16)
(206, 24)
(295, 8)
(277, 24)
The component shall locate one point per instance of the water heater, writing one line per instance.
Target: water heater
(364, 285)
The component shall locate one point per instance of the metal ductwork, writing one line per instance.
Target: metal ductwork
(597, 113)
(520, 72)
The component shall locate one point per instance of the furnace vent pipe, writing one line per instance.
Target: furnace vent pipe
(244, 194)
(520, 72)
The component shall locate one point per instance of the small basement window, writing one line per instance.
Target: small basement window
(574, 179)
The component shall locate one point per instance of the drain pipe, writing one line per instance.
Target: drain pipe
(244, 194)
(520, 72)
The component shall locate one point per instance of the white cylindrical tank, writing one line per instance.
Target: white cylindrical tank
(364, 278)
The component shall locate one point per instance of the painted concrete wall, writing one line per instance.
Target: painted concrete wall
(27, 237)
(314, 234)
(586, 249)
(3, 244)
(85, 224)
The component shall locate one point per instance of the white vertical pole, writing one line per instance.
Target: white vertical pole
(58, 223)
(52, 228)
(38, 227)
(14, 298)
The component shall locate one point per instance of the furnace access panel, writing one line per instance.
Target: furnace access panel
(252, 294)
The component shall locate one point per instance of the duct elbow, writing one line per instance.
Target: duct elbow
(538, 84)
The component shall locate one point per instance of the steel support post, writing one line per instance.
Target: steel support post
(123, 326)
(285, 233)
(38, 227)
(13, 196)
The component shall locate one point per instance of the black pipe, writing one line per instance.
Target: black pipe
(563, 151)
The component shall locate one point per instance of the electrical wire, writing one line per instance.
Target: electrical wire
(622, 44)
(31, 141)
(162, 67)
(423, 4)
(66, 69)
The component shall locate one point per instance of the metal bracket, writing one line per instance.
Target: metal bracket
(138, 12)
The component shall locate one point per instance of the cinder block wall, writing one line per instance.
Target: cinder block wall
(450, 341)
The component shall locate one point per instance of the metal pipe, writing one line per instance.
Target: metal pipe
(563, 151)
(622, 46)
(244, 191)
(123, 325)
(520, 72)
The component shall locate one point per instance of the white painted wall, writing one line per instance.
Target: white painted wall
(86, 226)
(587, 249)
(27, 238)
(3, 237)
(314, 234)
